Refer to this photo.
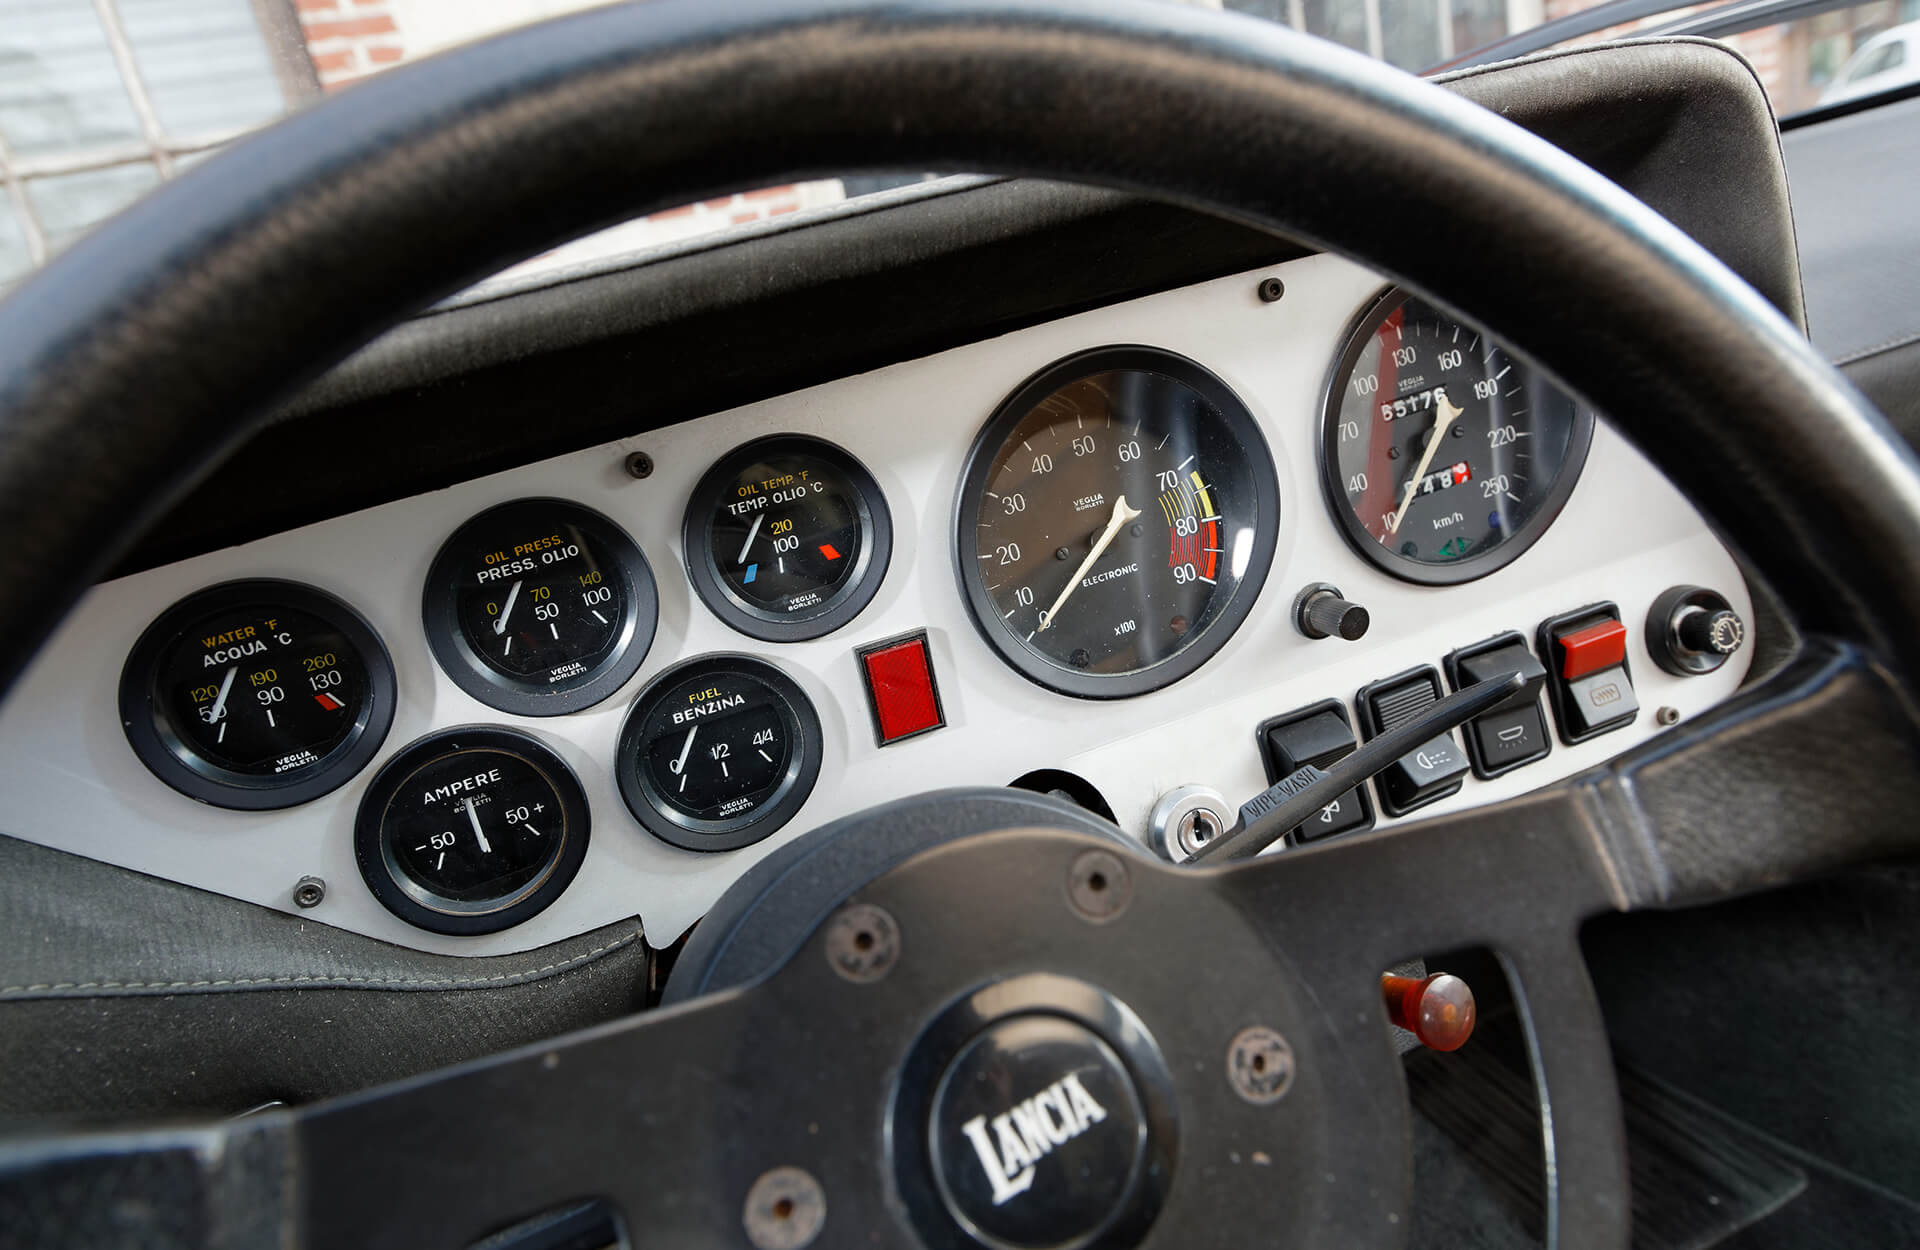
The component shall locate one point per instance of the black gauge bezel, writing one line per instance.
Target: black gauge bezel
(173, 760)
(869, 569)
(979, 466)
(461, 919)
(440, 614)
(659, 818)
(1359, 330)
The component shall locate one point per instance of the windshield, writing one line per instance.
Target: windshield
(102, 100)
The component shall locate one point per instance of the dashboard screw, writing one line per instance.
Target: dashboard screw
(308, 892)
(1667, 716)
(863, 942)
(785, 1209)
(640, 465)
(1271, 289)
(1260, 1065)
(1098, 886)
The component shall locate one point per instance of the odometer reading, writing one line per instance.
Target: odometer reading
(257, 695)
(1445, 455)
(540, 607)
(787, 538)
(718, 753)
(1116, 521)
(471, 830)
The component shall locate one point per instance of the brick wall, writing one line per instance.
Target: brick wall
(349, 39)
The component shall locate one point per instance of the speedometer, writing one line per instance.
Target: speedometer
(1115, 521)
(1445, 456)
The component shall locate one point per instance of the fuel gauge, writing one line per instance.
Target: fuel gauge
(718, 752)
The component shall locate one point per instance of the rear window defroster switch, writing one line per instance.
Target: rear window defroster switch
(1587, 674)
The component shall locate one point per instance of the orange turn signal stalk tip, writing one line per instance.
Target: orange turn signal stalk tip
(1438, 1010)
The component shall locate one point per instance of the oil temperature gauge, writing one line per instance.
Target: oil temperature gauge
(787, 538)
(718, 752)
(471, 830)
(540, 607)
(257, 694)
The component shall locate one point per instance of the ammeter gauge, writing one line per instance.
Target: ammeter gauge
(471, 830)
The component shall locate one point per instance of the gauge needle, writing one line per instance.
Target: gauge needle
(1448, 414)
(473, 818)
(1121, 515)
(220, 701)
(680, 765)
(500, 622)
(750, 534)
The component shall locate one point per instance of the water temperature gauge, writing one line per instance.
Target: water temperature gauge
(257, 694)
(718, 752)
(540, 607)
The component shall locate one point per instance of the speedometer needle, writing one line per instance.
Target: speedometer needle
(500, 622)
(1448, 414)
(1121, 515)
(473, 818)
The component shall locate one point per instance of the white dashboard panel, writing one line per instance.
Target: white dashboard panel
(72, 781)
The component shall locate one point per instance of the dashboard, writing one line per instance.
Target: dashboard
(1150, 557)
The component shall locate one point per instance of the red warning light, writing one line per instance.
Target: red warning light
(827, 550)
(900, 688)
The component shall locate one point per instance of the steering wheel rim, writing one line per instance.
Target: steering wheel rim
(120, 378)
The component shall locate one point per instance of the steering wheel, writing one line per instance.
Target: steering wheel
(1030, 1037)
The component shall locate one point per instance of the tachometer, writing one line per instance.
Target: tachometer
(540, 607)
(257, 694)
(1445, 456)
(1116, 519)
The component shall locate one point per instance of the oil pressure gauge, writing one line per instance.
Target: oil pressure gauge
(718, 753)
(257, 694)
(540, 607)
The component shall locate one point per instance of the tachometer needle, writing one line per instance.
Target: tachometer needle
(1121, 515)
(500, 622)
(750, 533)
(680, 765)
(1448, 415)
(473, 818)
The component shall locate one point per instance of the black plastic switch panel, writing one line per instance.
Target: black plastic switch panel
(1317, 735)
(1515, 733)
(1422, 776)
(1587, 700)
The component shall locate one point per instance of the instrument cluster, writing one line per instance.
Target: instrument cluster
(591, 692)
